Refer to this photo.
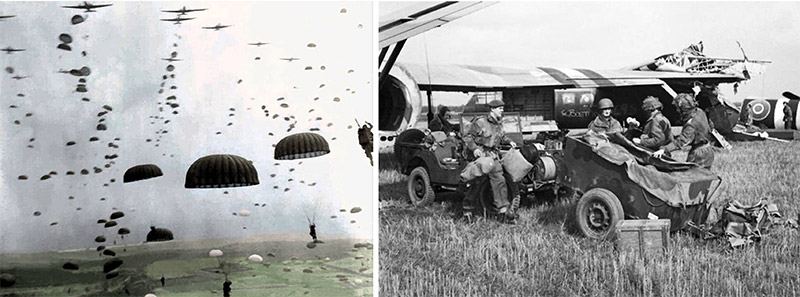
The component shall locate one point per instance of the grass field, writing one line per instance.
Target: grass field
(425, 252)
(335, 268)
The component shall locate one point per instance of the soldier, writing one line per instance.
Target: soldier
(657, 130)
(748, 115)
(226, 287)
(787, 116)
(313, 231)
(696, 132)
(483, 139)
(365, 140)
(604, 123)
(440, 123)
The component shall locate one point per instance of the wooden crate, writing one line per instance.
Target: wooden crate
(643, 237)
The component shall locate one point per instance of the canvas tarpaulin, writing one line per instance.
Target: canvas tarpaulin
(673, 182)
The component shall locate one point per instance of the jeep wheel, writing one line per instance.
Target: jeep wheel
(597, 213)
(419, 187)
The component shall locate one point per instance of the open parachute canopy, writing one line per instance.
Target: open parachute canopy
(111, 264)
(159, 234)
(221, 171)
(215, 253)
(117, 214)
(300, 146)
(70, 266)
(141, 172)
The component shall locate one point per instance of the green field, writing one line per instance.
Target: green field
(335, 268)
(425, 252)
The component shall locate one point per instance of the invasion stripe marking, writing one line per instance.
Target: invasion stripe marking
(558, 75)
(597, 78)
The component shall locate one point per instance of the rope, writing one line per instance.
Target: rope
(427, 64)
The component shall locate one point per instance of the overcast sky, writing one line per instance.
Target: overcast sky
(612, 35)
(124, 45)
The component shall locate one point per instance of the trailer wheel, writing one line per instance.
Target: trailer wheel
(420, 190)
(597, 213)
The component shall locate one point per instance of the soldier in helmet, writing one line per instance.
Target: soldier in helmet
(696, 133)
(657, 130)
(483, 139)
(604, 123)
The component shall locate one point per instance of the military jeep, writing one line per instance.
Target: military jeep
(433, 161)
(614, 182)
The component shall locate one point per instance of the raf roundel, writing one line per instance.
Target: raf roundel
(761, 109)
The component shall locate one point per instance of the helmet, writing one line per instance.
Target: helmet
(651, 103)
(684, 101)
(605, 103)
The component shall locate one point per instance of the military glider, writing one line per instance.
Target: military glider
(185, 10)
(10, 50)
(87, 6)
(217, 27)
(177, 20)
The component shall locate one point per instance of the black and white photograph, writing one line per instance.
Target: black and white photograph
(588, 148)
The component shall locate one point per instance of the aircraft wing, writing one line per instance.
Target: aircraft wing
(196, 9)
(75, 6)
(617, 76)
(421, 17)
(172, 11)
(99, 5)
(485, 78)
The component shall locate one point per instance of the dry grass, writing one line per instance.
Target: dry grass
(425, 252)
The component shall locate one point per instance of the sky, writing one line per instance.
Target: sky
(613, 35)
(124, 45)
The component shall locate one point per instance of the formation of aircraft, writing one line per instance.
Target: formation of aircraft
(259, 44)
(177, 20)
(87, 6)
(559, 96)
(217, 27)
(185, 10)
(10, 50)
